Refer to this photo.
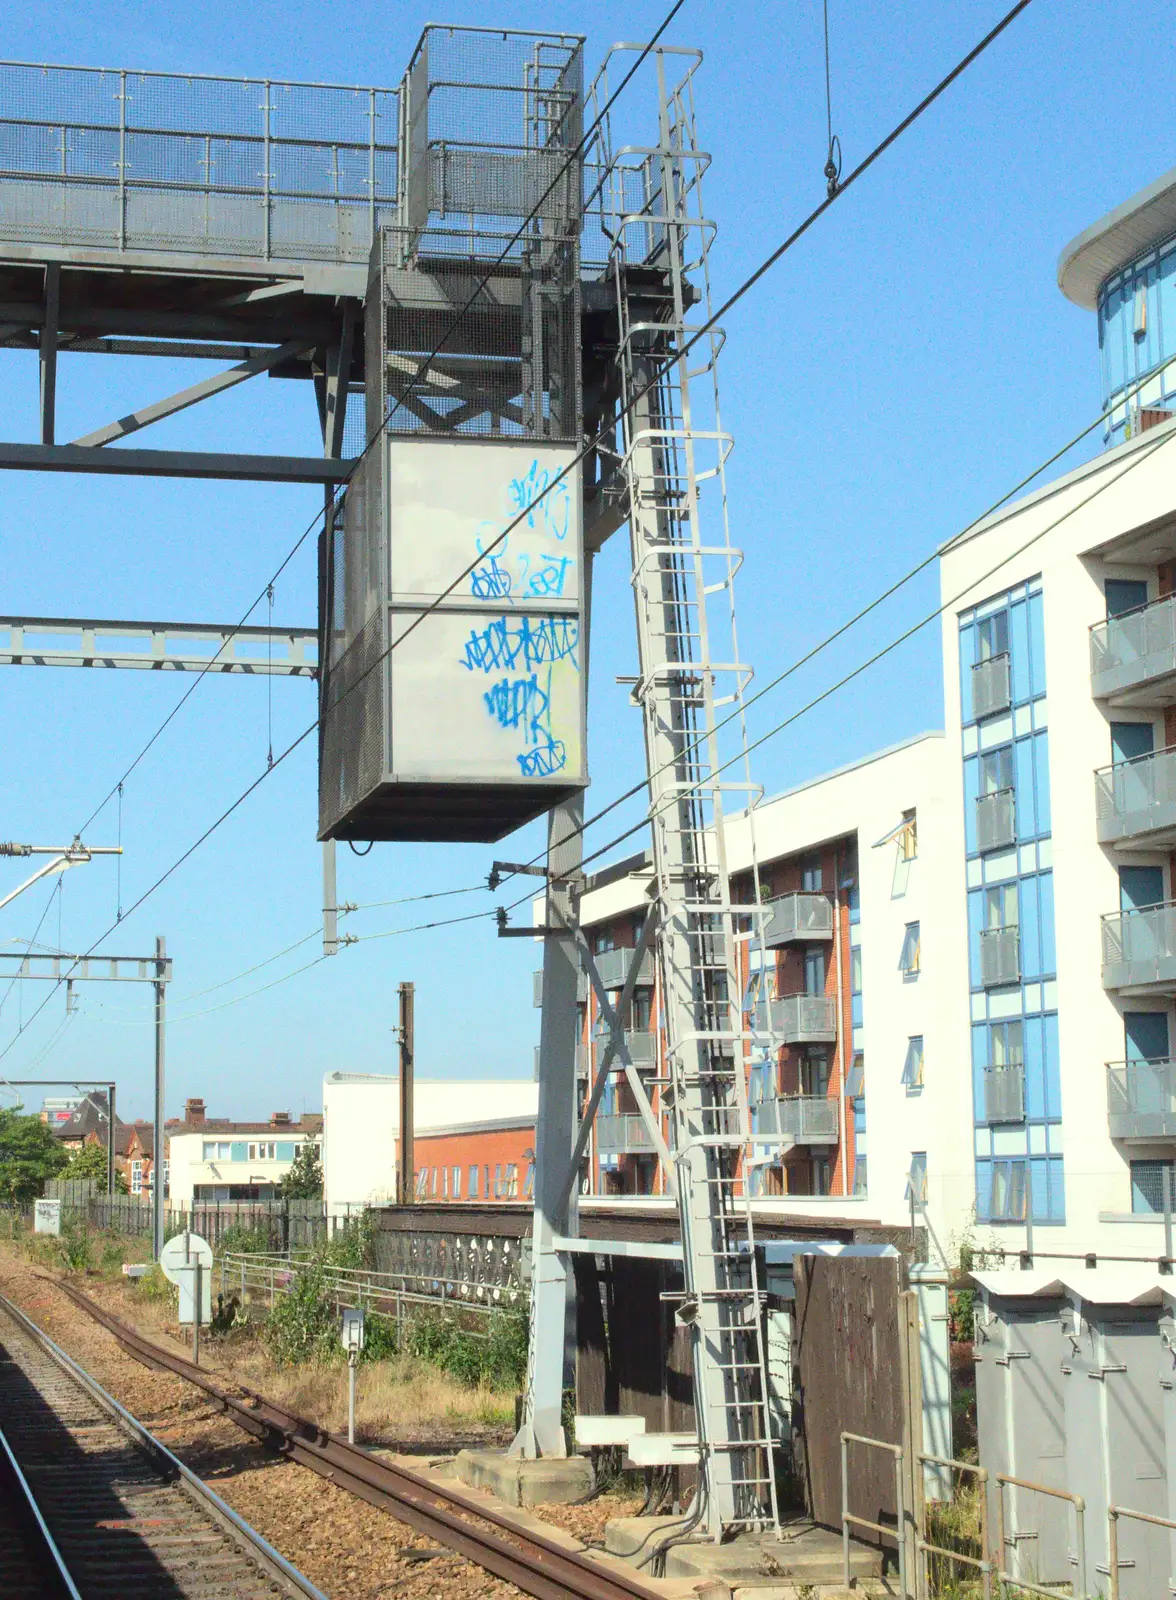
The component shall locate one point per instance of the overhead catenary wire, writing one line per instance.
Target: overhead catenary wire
(708, 327)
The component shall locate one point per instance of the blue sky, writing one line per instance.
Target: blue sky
(898, 371)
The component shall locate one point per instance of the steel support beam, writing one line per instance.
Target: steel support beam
(542, 1431)
(173, 464)
(193, 395)
(84, 969)
(158, 646)
(49, 352)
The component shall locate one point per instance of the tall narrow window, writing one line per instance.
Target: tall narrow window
(992, 636)
(1000, 906)
(996, 770)
(814, 969)
(811, 877)
(472, 1187)
(455, 1187)
(910, 959)
(916, 1184)
(908, 838)
(1010, 1190)
(912, 1072)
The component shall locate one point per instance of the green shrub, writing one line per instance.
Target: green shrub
(243, 1240)
(498, 1359)
(303, 1324)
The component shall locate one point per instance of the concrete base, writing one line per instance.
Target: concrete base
(552, 1480)
(806, 1555)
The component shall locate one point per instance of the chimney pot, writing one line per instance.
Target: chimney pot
(194, 1112)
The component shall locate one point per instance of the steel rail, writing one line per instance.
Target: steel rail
(271, 1563)
(43, 1549)
(532, 1561)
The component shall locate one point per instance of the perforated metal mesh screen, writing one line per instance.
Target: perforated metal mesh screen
(222, 166)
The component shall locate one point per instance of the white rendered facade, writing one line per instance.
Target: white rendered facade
(218, 1163)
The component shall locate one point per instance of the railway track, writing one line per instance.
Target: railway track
(92, 1506)
(536, 1563)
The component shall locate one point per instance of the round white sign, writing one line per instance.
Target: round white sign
(184, 1250)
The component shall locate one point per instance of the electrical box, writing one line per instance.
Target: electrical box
(352, 1332)
(452, 597)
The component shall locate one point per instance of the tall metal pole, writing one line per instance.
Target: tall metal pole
(157, 1186)
(542, 1431)
(110, 1126)
(407, 1171)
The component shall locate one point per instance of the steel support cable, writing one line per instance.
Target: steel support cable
(765, 266)
(916, 627)
(859, 616)
(338, 489)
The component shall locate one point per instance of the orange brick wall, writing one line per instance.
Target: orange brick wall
(491, 1149)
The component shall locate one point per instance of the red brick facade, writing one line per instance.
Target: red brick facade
(499, 1161)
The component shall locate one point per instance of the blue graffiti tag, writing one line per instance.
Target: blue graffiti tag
(526, 648)
(506, 573)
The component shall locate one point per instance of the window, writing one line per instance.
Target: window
(996, 770)
(916, 1184)
(909, 960)
(912, 1072)
(1007, 1044)
(512, 1181)
(992, 636)
(856, 1082)
(422, 1179)
(603, 940)
(136, 1177)
(822, 1175)
(859, 1176)
(445, 1183)
(486, 1180)
(498, 1180)
(855, 969)
(455, 1187)
(264, 1150)
(908, 838)
(529, 1182)
(641, 1011)
(1009, 1190)
(814, 969)
(433, 1184)
(811, 880)
(1147, 1185)
(216, 1150)
(472, 1185)
(814, 1073)
(1124, 594)
(1000, 906)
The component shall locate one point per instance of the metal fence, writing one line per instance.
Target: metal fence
(277, 1224)
(151, 161)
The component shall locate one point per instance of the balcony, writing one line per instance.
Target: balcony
(1004, 1093)
(623, 1134)
(996, 820)
(799, 917)
(581, 1061)
(1139, 950)
(1133, 657)
(1000, 956)
(1141, 1100)
(797, 1119)
(990, 687)
(641, 1045)
(805, 1018)
(613, 965)
(537, 987)
(1136, 800)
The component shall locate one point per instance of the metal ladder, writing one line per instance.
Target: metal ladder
(680, 585)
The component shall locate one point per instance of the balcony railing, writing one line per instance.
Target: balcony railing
(797, 1119)
(537, 988)
(622, 1134)
(613, 965)
(996, 820)
(1141, 1099)
(1004, 1093)
(990, 686)
(805, 1018)
(1131, 652)
(641, 1045)
(1000, 956)
(1139, 949)
(1136, 798)
(798, 916)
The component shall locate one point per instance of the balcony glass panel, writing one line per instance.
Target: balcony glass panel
(796, 917)
(798, 1119)
(996, 820)
(613, 966)
(805, 1018)
(642, 1048)
(1141, 1099)
(1133, 798)
(622, 1134)
(1000, 956)
(990, 686)
(1135, 649)
(1004, 1093)
(537, 988)
(1139, 949)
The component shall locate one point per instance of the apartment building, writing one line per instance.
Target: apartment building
(848, 869)
(213, 1158)
(970, 961)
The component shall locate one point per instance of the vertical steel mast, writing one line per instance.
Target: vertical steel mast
(690, 678)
